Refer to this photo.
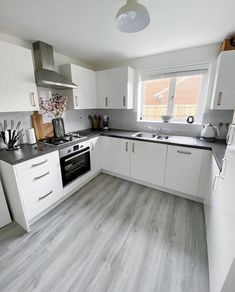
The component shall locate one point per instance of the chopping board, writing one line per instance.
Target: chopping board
(42, 130)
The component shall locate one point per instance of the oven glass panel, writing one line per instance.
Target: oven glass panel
(75, 165)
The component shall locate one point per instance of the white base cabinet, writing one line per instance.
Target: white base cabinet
(4, 212)
(18, 90)
(32, 186)
(183, 169)
(148, 161)
(115, 155)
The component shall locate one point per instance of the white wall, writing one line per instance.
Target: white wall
(203, 54)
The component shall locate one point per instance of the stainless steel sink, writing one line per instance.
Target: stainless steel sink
(150, 136)
(145, 135)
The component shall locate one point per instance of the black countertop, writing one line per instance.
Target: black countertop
(28, 152)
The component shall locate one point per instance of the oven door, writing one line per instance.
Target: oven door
(75, 165)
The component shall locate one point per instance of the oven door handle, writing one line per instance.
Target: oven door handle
(79, 154)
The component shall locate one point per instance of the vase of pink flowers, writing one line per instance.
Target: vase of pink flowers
(55, 107)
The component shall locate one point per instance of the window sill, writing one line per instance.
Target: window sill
(170, 122)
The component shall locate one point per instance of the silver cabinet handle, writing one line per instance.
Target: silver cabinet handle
(76, 100)
(124, 101)
(215, 185)
(126, 146)
(220, 98)
(37, 164)
(41, 176)
(32, 95)
(184, 152)
(106, 101)
(224, 167)
(46, 195)
(133, 147)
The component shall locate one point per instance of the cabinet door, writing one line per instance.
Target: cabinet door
(224, 87)
(115, 155)
(118, 80)
(95, 154)
(183, 169)
(102, 78)
(17, 83)
(148, 161)
(221, 229)
(85, 95)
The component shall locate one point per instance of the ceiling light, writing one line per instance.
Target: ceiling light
(132, 17)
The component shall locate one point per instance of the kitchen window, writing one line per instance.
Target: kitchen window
(180, 92)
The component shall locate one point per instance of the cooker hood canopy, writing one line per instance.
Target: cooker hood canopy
(45, 73)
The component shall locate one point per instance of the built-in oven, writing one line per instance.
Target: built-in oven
(74, 162)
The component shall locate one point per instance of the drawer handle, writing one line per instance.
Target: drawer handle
(41, 176)
(37, 164)
(40, 198)
(184, 152)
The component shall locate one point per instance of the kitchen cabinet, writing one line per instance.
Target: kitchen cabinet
(115, 155)
(32, 186)
(85, 95)
(115, 88)
(224, 86)
(183, 169)
(18, 90)
(220, 218)
(95, 150)
(4, 212)
(148, 161)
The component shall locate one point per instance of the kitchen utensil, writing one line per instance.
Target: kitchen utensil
(209, 132)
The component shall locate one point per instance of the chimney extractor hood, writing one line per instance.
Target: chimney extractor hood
(45, 73)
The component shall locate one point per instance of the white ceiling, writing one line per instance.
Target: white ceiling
(84, 29)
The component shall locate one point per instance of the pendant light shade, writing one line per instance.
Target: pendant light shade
(132, 17)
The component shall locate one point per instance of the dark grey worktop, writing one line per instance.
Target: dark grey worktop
(28, 152)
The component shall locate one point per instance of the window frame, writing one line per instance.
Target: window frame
(172, 89)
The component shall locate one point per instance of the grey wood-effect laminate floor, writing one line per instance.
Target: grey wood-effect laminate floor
(113, 235)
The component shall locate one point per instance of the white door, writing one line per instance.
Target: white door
(183, 169)
(95, 151)
(118, 80)
(84, 96)
(148, 162)
(103, 97)
(224, 87)
(4, 213)
(17, 83)
(221, 231)
(115, 157)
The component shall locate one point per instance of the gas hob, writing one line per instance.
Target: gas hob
(69, 137)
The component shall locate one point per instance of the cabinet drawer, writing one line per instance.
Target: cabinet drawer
(40, 190)
(183, 169)
(37, 163)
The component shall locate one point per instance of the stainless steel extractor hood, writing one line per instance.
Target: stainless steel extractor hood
(45, 73)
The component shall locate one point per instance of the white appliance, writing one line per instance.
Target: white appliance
(4, 212)
(209, 132)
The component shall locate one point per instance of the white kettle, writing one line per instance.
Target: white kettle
(209, 132)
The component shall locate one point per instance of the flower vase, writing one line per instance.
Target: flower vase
(58, 128)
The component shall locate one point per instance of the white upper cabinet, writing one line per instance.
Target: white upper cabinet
(224, 87)
(115, 88)
(183, 169)
(85, 96)
(18, 90)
